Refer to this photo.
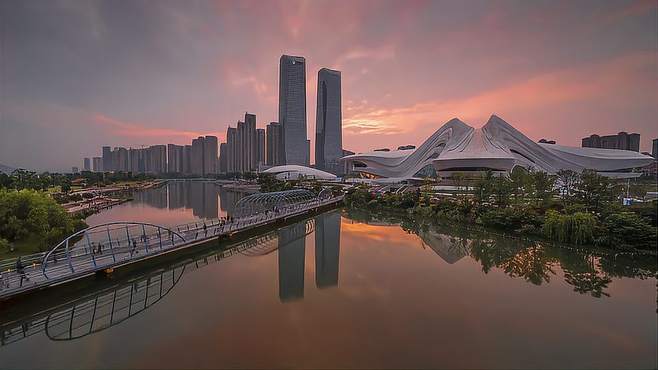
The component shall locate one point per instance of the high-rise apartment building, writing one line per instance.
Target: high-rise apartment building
(654, 149)
(250, 143)
(210, 155)
(187, 159)
(260, 148)
(231, 150)
(97, 164)
(86, 164)
(274, 146)
(328, 122)
(156, 159)
(292, 109)
(175, 158)
(622, 141)
(223, 157)
(197, 156)
(107, 159)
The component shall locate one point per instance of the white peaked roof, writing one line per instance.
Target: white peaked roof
(455, 146)
(293, 171)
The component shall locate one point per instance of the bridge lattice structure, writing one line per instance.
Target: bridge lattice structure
(114, 244)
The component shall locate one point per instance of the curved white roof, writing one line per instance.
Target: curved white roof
(292, 172)
(455, 146)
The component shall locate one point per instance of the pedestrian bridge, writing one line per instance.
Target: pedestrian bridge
(112, 245)
(77, 317)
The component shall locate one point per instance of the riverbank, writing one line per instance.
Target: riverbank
(591, 218)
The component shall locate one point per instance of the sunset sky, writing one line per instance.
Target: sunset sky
(75, 75)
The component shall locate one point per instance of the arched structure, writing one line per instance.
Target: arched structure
(497, 147)
(114, 237)
(294, 172)
(279, 200)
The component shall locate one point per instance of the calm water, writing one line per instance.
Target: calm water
(342, 291)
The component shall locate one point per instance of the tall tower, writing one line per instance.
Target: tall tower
(292, 109)
(328, 122)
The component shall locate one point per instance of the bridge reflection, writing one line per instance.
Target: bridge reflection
(68, 318)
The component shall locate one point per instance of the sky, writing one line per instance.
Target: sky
(76, 75)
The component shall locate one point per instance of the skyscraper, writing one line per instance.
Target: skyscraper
(210, 155)
(175, 158)
(197, 156)
(107, 159)
(223, 157)
(156, 159)
(260, 152)
(250, 142)
(97, 164)
(274, 148)
(328, 118)
(187, 159)
(86, 165)
(292, 109)
(654, 149)
(231, 150)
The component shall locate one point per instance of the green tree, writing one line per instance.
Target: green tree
(594, 190)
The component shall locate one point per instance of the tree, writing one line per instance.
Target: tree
(543, 187)
(594, 190)
(566, 182)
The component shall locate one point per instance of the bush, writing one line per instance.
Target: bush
(576, 228)
(627, 229)
(517, 219)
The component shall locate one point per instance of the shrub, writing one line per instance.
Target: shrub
(511, 219)
(576, 228)
(627, 229)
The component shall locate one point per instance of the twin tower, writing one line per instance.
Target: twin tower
(295, 147)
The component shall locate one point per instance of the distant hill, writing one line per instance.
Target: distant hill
(6, 169)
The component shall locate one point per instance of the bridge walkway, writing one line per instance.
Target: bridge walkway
(61, 265)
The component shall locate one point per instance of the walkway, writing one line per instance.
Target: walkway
(66, 263)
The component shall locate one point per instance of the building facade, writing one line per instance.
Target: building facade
(86, 164)
(97, 164)
(621, 141)
(292, 109)
(274, 145)
(328, 122)
(260, 148)
(175, 158)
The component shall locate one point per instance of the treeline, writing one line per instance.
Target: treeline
(23, 179)
(576, 208)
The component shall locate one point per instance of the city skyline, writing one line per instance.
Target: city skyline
(563, 71)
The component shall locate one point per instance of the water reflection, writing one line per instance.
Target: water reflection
(588, 272)
(84, 314)
(327, 249)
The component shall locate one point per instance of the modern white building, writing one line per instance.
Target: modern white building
(328, 127)
(497, 147)
(294, 172)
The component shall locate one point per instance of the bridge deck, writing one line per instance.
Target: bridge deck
(88, 261)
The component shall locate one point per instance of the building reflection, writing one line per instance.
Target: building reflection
(327, 249)
(291, 253)
(449, 248)
(204, 198)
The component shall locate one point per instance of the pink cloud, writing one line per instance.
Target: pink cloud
(129, 129)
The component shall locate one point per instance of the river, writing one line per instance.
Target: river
(341, 290)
